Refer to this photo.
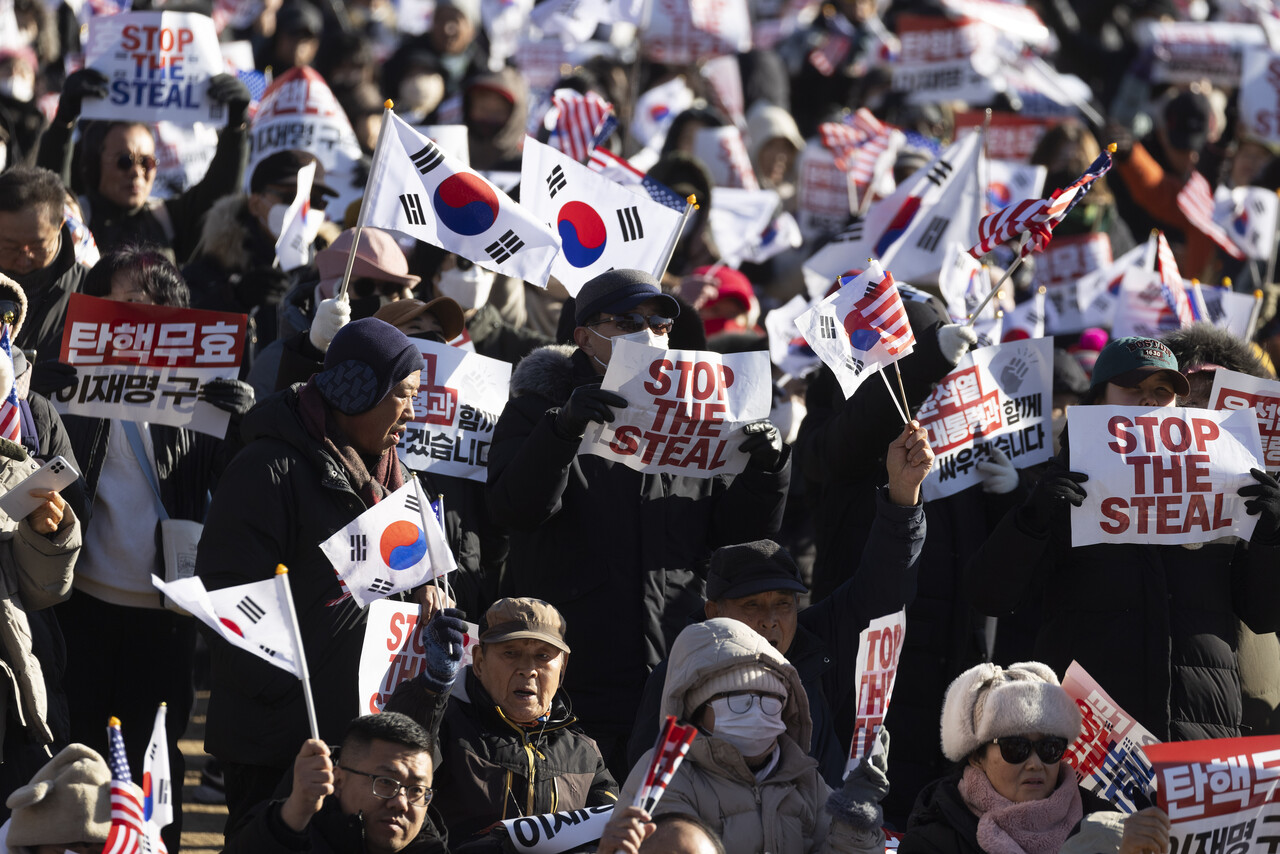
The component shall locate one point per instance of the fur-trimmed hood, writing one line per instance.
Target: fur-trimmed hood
(223, 236)
(548, 372)
(1202, 344)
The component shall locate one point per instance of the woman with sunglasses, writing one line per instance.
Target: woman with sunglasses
(1007, 730)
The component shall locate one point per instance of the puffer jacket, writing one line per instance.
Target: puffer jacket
(622, 554)
(492, 769)
(783, 814)
(47, 292)
(37, 573)
(330, 831)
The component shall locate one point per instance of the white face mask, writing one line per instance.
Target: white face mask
(311, 222)
(18, 88)
(753, 732)
(644, 336)
(469, 288)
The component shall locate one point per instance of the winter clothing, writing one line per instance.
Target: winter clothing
(513, 619)
(47, 292)
(1129, 361)
(1034, 827)
(494, 769)
(499, 149)
(330, 831)
(783, 812)
(620, 291)
(621, 554)
(67, 802)
(749, 568)
(498, 339)
(367, 358)
(988, 702)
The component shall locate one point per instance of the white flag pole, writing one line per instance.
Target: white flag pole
(282, 578)
(368, 182)
(691, 205)
(973, 315)
(424, 507)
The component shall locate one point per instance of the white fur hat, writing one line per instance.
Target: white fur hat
(987, 702)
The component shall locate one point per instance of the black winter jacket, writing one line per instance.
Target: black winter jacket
(47, 302)
(329, 832)
(623, 555)
(492, 769)
(279, 499)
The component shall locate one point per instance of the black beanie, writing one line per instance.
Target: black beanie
(366, 359)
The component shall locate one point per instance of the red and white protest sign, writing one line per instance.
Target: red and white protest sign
(1221, 794)
(879, 648)
(158, 65)
(724, 153)
(1162, 476)
(682, 32)
(685, 409)
(460, 396)
(996, 397)
(1191, 51)
(1259, 95)
(944, 59)
(1108, 755)
(1060, 266)
(822, 194)
(1234, 390)
(1010, 137)
(148, 362)
(393, 652)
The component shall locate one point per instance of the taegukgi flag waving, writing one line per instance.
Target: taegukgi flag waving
(602, 224)
(417, 189)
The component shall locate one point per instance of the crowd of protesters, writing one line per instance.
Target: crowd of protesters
(609, 598)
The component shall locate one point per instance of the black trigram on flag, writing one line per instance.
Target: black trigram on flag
(854, 365)
(428, 158)
(412, 504)
(505, 246)
(629, 220)
(556, 181)
(933, 233)
(940, 172)
(853, 232)
(412, 204)
(380, 586)
(251, 609)
(826, 326)
(359, 546)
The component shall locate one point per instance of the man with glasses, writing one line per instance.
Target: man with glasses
(372, 797)
(620, 553)
(37, 252)
(118, 169)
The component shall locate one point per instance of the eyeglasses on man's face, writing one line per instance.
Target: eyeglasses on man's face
(389, 787)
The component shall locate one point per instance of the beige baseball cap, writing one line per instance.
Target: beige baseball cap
(512, 619)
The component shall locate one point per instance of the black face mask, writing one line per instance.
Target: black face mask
(362, 307)
(430, 336)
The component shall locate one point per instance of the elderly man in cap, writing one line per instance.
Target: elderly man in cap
(317, 456)
(758, 583)
(621, 553)
(510, 740)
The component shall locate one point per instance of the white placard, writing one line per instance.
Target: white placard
(393, 652)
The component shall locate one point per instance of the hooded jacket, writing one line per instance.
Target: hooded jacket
(492, 769)
(784, 813)
(622, 555)
(501, 150)
(279, 499)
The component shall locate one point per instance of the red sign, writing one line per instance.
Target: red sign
(107, 332)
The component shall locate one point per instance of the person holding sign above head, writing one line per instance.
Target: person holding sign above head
(1154, 624)
(510, 743)
(620, 552)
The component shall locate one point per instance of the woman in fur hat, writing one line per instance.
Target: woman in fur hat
(1010, 793)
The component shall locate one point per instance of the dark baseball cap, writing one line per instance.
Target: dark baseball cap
(281, 170)
(750, 568)
(1128, 361)
(617, 291)
(1186, 121)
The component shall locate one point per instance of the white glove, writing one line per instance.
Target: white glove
(331, 315)
(998, 474)
(954, 340)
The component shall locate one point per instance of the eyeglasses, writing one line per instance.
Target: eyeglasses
(389, 787)
(634, 322)
(1017, 749)
(126, 162)
(740, 704)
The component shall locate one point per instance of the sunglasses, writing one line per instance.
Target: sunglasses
(1017, 749)
(635, 321)
(126, 162)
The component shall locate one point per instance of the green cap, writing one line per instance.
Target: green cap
(1128, 361)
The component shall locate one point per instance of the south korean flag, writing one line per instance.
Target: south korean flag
(395, 545)
(602, 225)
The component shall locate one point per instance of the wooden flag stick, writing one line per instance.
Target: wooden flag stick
(973, 315)
(905, 404)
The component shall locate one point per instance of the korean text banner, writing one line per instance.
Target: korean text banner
(1234, 390)
(147, 362)
(1162, 476)
(460, 396)
(1221, 794)
(1108, 755)
(158, 64)
(685, 409)
(997, 397)
(393, 652)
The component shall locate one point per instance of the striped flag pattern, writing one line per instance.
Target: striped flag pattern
(579, 118)
(880, 309)
(856, 143)
(10, 414)
(128, 834)
(831, 53)
(1171, 287)
(669, 751)
(1195, 200)
(618, 169)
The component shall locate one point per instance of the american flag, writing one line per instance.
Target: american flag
(1195, 200)
(879, 309)
(579, 118)
(128, 834)
(827, 56)
(1037, 217)
(617, 169)
(10, 414)
(856, 143)
(1175, 294)
(669, 751)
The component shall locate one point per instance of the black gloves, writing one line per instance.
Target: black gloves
(230, 90)
(1264, 502)
(51, 376)
(1057, 489)
(85, 83)
(764, 444)
(858, 801)
(587, 403)
(443, 638)
(231, 396)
